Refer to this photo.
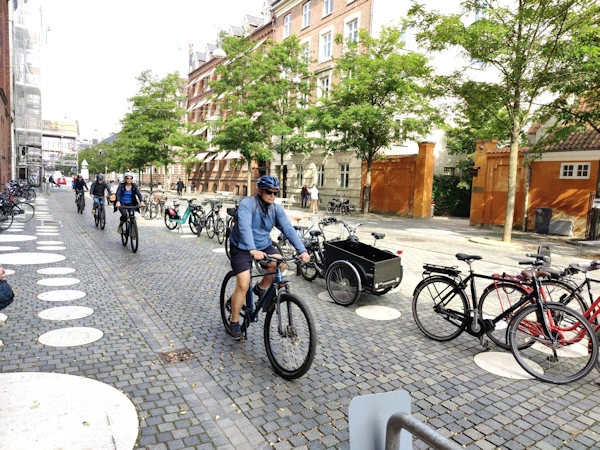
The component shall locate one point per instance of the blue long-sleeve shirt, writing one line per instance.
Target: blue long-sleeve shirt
(252, 228)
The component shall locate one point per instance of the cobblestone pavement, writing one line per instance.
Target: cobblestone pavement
(165, 298)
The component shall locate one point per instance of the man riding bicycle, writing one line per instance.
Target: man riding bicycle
(97, 191)
(250, 240)
(79, 185)
(128, 194)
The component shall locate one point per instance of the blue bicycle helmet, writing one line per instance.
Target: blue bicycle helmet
(128, 174)
(268, 182)
(100, 177)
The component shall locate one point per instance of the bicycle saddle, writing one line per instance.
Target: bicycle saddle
(176, 203)
(378, 235)
(315, 233)
(465, 257)
(584, 267)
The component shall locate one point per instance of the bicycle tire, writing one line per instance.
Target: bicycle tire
(96, 218)
(495, 299)
(285, 364)
(133, 236)
(125, 234)
(576, 342)
(343, 283)
(153, 211)
(382, 292)
(6, 218)
(424, 300)
(102, 215)
(168, 223)
(227, 288)
(31, 195)
(227, 243)
(210, 227)
(309, 271)
(194, 222)
(221, 230)
(26, 212)
(330, 209)
(560, 292)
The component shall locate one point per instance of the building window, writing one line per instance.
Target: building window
(306, 14)
(575, 170)
(327, 7)
(299, 175)
(305, 52)
(325, 46)
(344, 175)
(227, 166)
(408, 38)
(287, 26)
(323, 84)
(320, 175)
(449, 171)
(215, 187)
(352, 31)
(237, 189)
(245, 191)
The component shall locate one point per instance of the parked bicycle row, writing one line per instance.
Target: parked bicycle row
(540, 314)
(15, 204)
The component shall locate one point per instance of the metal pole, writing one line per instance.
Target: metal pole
(399, 421)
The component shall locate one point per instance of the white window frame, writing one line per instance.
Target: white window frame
(408, 36)
(305, 46)
(287, 25)
(320, 175)
(299, 175)
(325, 32)
(344, 175)
(575, 170)
(320, 78)
(327, 7)
(306, 14)
(347, 21)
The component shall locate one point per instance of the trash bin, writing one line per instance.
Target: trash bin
(542, 220)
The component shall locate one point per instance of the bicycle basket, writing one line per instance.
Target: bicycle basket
(231, 211)
(172, 213)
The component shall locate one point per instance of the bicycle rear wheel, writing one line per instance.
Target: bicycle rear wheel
(227, 249)
(125, 233)
(23, 212)
(568, 353)
(210, 227)
(220, 230)
(227, 288)
(495, 299)
(290, 350)
(439, 308)
(133, 235)
(6, 218)
(309, 271)
(560, 292)
(169, 223)
(102, 215)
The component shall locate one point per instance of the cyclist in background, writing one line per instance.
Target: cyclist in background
(79, 185)
(97, 191)
(250, 240)
(128, 194)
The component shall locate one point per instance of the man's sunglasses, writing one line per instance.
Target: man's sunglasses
(270, 192)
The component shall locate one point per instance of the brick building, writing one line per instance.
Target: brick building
(5, 96)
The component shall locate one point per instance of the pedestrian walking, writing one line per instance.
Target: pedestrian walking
(305, 196)
(180, 187)
(314, 199)
(44, 187)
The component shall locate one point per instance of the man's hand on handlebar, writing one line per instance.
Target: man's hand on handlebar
(258, 255)
(305, 257)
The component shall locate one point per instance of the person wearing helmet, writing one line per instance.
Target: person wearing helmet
(79, 185)
(97, 191)
(250, 240)
(128, 194)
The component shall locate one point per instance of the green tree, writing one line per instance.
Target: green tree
(155, 124)
(263, 93)
(525, 44)
(382, 94)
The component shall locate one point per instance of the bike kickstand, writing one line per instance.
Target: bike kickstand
(484, 342)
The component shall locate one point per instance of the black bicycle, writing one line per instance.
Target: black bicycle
(215, 225)
(289, 330)
(80, 201)
(100, 214)
(130, 229)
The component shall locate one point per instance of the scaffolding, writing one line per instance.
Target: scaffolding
(27, 91)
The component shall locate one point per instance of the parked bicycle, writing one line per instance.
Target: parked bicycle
(339, 205)
(130, 229)
(6, 214)
(289, 330)
(550, 341)
(215, 225)
(192, 215)
(100, 214)
(150, 209)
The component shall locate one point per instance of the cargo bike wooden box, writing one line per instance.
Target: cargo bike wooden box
(352, 267)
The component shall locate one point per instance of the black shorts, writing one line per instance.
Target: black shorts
(242, 260)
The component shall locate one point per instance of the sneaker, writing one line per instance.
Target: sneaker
(258, 291)
(93, 210)
(120, 229)
(236, 330)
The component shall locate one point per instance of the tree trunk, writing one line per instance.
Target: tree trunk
(512, 181)
(249, 177)
(366, 203)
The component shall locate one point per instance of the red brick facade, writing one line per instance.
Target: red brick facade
(5, 116)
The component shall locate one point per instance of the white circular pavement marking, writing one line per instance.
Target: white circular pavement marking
(189, 236)
(49, 242)
(51, 410)
(30, 258)
(6, 249)
(46, 227)
(48, 234)
(50, 247)
(9, 272)
(3, 317)
(15, 230)
(61, 296)
(56, 271)
(9, 238)
(377, 312)
(218, 250)
(66, 313)
(325, 296)
(66, 281)
(70, 337)
(503, 364)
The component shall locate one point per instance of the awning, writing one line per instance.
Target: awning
(201, 156)
(234, 155)
(220, 156)
(210, 157)
(199, 131)
(207, 74)
(201, 104)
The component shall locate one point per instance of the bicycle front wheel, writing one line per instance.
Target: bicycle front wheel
(440, 308)
(220, 230)
(290, 337)
(133, 236)
(102, 215)
(210, 227)
(23, 212)
(227, 249)
(194, 222)
(567, 352)
(495, 299)
(125, 234)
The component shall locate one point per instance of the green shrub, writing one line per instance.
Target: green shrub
(452, 196)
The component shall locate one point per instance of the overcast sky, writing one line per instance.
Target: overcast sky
(96, 48)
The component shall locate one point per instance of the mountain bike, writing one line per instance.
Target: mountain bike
(100, 214)
(550, 341)
(130, 229)
(289, 331)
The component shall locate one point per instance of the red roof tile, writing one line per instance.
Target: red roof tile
(506, 150)
(585, 140)
(534, 128)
